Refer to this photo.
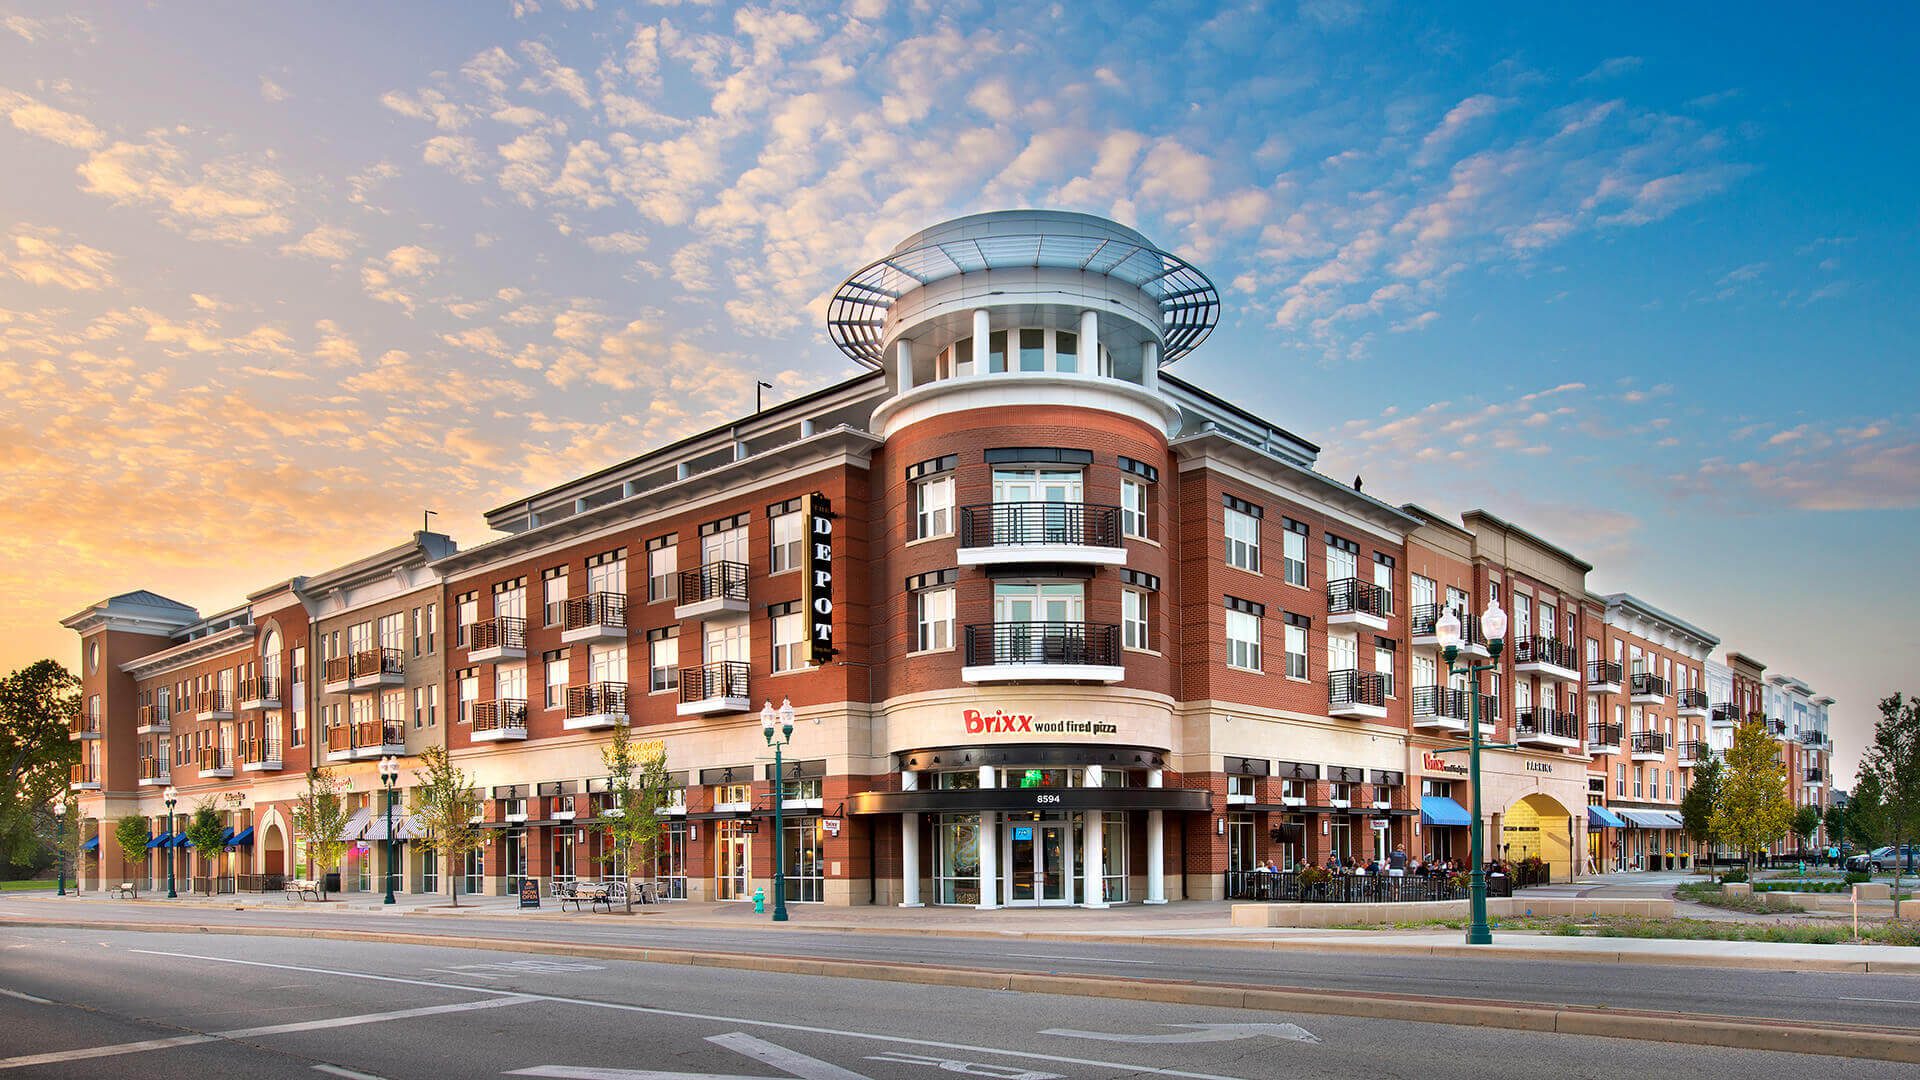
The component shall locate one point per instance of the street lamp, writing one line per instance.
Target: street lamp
(60, 843)
(390, 776)
(1494, 624)
(768, 719)
(170, 796)
(239, 799)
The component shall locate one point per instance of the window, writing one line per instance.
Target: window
(1033, 350)
(607, 574)
(557, 678)
(433, 626)
(393, 631)
(1343, 653)
(419, 707)
(1243, 540)
(466, 614)
(298, 672)
(663, 658)
(1243, 640)
(417, 624)
(1066, 351)
(1133, 507)
(1133, 619)
(933, 507)
(553, 595)
(786, 543)
(663, 570)
(1639, 775)
(1293, 553)
(933, 619)
(1425, 671)
(433, 706)
(733, 797)
(1383, 663)
(789, 638)
(510, 599)
(1296, 648)
(469, 693)
(1342, 559)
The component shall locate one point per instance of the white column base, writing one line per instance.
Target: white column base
(1153, 901)
(910, 905)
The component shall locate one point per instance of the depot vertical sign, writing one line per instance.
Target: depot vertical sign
(817, 593)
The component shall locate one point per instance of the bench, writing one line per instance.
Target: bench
(302, 890)
(126, 890)
(586, 893)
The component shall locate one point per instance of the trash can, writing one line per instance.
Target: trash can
(333, 881)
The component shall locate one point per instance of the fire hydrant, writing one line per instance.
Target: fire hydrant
(759, 901)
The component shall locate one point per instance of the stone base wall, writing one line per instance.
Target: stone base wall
(1417, 911)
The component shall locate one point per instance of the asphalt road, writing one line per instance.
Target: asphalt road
(1882, 1000)
(79, 1003)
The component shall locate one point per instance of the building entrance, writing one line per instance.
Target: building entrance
(1039, 855)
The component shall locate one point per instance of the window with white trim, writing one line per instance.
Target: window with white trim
(663, 572)
(1243, 539)
(1243, 640)
(789, 639)
(1296, 651)
(933, 619)
(1133, 507)
(553, 596)
(786, 543)
(556, 679)
(933, 507)
(663, 659)
(1293, 554)
(1133, 618)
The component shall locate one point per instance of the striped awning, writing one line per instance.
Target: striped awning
(1600, 817)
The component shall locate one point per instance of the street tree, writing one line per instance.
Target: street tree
(1696, 807)
(37, 703)
(1893, 761)
(444, 804)
(207, 836)
(1835, 820)
(1806, 820)
(639, 786)
(320, 816)
(1752, 810)
(132, 834)
(1867, 812)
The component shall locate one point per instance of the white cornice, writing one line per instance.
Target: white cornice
(1260, 469)
(190, 652)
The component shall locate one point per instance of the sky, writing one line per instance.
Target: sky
(276, 279)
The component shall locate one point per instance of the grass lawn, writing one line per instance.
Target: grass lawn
(23, 886)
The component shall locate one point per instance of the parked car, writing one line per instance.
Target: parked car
(1880, 859)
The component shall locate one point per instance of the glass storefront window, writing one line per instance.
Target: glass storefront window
(958, 780)
(429, 871)
(476, 873)
(1240, 853)
(957, 867)
(1113, 848)
(670, 860)
(806, 871)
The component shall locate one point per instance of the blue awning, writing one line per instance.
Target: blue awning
(165, 839)
(1604, 818)
(92, 844)
(180, 840)
(1440, 810)
(243, 838)
(226, 837)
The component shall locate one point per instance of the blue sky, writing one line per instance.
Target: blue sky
(270, 283)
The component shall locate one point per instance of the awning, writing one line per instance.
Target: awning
(403, 829)
(355, 825)
(165, 839)
(243, 838)
(1674, 820)
(1440, 810)
(226, 837)
(180, 840)
(92, 844)
(1648, 819)
(1601, 817)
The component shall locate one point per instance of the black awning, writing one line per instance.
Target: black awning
(961, 800)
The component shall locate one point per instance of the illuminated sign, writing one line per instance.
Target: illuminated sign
(1002, 723)
(1436, 763)
(816, 593)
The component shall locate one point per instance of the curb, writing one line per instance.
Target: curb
(1744, 1033)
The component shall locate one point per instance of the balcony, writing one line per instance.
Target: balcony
(258, 693)
(1603, 738)
(600, 616)
(719, 686)
(1042, 652)
(1423, 619)
(1725, 714)
(83, 727)
(1603, 677)
(1548, 657)
(216, 763)
(1815, 740)
(155, 772)
(374, 668)
(501, 638)
(1648, 746)
(337, 678)
(214, 705)
(340, 743)
(1353, 602)
(603, 704)
(1440, 708)
(1693, 752)
(152, 720)
(378, 738)
(1693, 703)
(718, 588)
(83, 777)
(1357, 695)
(996, 534)
(1813, 778)
(1547, 727)
(1776, 728)
(260, 755)
(504, 720)
(1648, 689)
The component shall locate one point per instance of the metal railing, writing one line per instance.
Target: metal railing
(1604, 671)
(1030, 523)
(337, 670)
(260, 688)
(1775, 727)
(154, 768)
(1692, 699)
(215, 757)
(598, 699)
(714, 679)
(502, 714)
(1726, 713)
(152, 716)
(1356, 688)
(714, 581)
(597, 609)
(1355, 595)
(1604, 734)
(1446, 701)
(1695, 750)
(1339, 889)
(1424, 620)
(379, 662)
(371, 733)
(263, 751)
(1813, 738)
(1649, 742)
(84, 725)
(83, 773)
(1548, 722)
(339, 738)
(1814, 776)
(1541, 649)
(500, 632)
(1645, 682)
(215, 701)
(1078, 643)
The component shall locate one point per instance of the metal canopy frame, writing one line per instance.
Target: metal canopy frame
(1189, 302)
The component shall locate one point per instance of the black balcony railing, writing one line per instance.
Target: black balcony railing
(1604, 735)
(1775, 727)
(1692, 699)
(1649, 742)
(1356, 688)
(1442, 701)
(1813, 738)
(1814, 776)
(503, 632)
(503, 714)
(714, 581)
(1423, 620)
(600, 609)
(368, 662)
(715, 679)
(1035, 523)
(1080, 643)
(597, 699)
(1604, 671)
(1541, 649)
(1353, 595)
(1726, 713)
(1649, 683)
(1548, 722)
(1695, 751)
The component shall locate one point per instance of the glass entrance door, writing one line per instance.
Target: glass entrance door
(732, 866)
(1039, 620)
(1038, 856)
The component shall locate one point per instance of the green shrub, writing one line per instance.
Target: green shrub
(1735, 876)
(1858, 877)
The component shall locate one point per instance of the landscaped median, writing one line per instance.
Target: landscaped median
(1439, 910)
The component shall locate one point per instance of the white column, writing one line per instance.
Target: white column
(903, 363)
(1089, 343)
(909, 846)
(1092, 890)
(982, 331)
(989, 836)
(1156, 847)
(1150, 366)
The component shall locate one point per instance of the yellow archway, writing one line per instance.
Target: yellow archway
(1539, 825)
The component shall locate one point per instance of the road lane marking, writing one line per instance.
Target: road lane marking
(1076, 959)
(1885, 1001)
(1197, 1033)
(349, 1074)
(791, 1062)
(744, 1021)
(24, 997)
(59, 1057)
(966, 1068)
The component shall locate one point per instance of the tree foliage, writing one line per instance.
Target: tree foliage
(639, 784)
(445, 802)
(1752, 810)
(1867, 812)
(207, 836)
(1893, 763)
(320, 815)
(1806, 820)
(36, 704)
(132, 834)
(1835, 819)
(1696, 806)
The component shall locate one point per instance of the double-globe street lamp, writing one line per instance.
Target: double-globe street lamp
(1493, 623)
(170, 796)
(769, 717)
(389, 777)
(60, 844)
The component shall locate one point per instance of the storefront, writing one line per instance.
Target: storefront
(1653, 839)
(1528, 803)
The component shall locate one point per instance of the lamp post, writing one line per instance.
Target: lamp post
(784, 718)
(170, 796)
(239, 807)
(1447, 630)
(389, 776)
(60, 843)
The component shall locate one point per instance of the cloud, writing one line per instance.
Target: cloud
(388, 279)
(39, 257)
(329, 242)
(1822, 468)
(272, 92)
(1612, 68)
(43, 121)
